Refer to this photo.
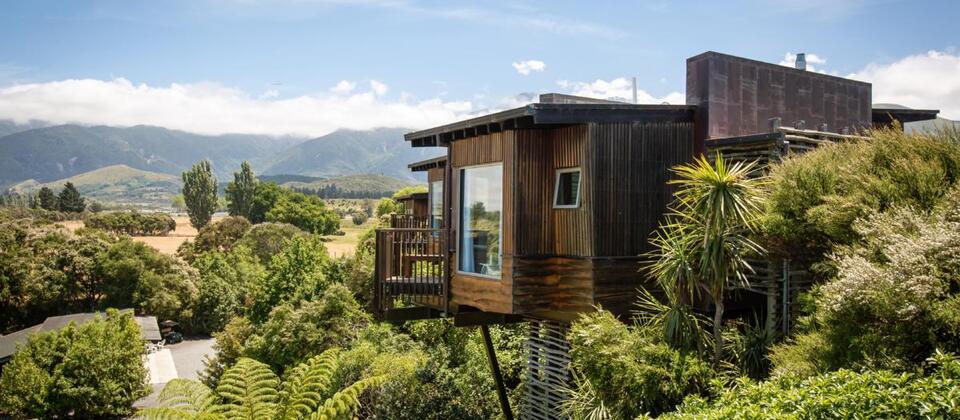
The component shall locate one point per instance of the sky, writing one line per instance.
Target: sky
(308, 67)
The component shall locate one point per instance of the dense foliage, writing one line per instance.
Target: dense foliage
(249, 389)
(816, 198)
(631, 370)
(132, 223)
(93, 370)
(69, 200)
(843, 394)
(308, 213)
(46, 270)
(200, 193)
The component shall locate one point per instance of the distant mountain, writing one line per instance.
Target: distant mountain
(357, 183)
(115, 184)
(381, 151)
(9, 127)
(52, 153)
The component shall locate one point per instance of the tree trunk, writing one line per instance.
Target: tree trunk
(717, 338)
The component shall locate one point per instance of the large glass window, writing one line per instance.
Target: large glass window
(436, 204)
(567, 194)
(481, 209)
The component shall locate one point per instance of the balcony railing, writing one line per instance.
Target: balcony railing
(411, 269)
(407, 221)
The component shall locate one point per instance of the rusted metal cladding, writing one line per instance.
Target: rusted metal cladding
(737, 96)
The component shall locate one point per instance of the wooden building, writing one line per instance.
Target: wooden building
(543, 212)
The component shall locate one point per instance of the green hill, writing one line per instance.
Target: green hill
(115, 184)
(361, 183)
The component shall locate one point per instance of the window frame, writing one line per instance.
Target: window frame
(556, 188)
(459, 219)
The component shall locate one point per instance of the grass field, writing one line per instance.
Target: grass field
(345, 245)
(336, 245)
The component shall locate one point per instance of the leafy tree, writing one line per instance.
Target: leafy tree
(222, 235)
(200, 194)
(93, 370)
(132, 223)
(296, 273)
(267, 239)
(70, 200)
(96, 207)
(703, 245)
(251, 390)
(305, 212)
(388, 205)
(241, 191)
(292, 333)
(178, 203)
(265, 197)
(47, 200)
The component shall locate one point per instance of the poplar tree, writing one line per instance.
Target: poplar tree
(200, 194)
(240, 192)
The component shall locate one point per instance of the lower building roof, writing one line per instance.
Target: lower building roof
(149, 329)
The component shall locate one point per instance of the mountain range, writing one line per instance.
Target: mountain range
(50, 153)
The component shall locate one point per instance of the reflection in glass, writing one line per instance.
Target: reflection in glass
(436, 204)
(480, 216)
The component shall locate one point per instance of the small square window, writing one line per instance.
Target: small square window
(567, 194)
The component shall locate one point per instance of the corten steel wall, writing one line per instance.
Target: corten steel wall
(736, 96)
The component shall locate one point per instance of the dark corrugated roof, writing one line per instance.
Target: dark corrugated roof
(423, 165)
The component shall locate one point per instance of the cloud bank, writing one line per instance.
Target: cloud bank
(930, 80)
(525, 67)
(209, 108)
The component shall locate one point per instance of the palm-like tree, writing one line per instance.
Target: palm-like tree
(702, 246)
(250, 390)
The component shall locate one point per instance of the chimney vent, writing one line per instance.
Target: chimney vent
(801, 62)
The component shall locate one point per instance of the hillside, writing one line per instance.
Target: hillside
(116, 184)
(381, 151)
(362, 183)
(52, 153)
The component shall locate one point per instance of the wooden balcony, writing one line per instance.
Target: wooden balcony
(411, 272)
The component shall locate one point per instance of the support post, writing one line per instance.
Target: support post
(497, 377)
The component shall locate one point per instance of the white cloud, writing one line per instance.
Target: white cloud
(619, 89)
(209, 108)
(525, 67)
(343, 87)
(379, 88)
(813, 60)
(930, 80)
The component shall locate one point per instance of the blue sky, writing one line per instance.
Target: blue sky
(428, 61)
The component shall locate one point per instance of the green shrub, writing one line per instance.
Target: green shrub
(267, 239)
(631, 372)
(388, 205)
(294, 333)
(132, 223)
(893, 300)
(305, 212)
(839, 395)
(295, 274)
(222, 235)
(93, 370)
(816, 197)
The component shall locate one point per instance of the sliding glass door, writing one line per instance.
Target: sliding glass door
(481, 213)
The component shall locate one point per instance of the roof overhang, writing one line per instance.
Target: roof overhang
(424, 165)
(546, 115)
(902, 115)
(413, 196)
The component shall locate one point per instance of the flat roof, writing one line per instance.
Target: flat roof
(904, 115)
(423, 165)
(546, 115)
(413, 196)
(149, 329)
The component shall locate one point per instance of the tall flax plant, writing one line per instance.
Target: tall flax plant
(701, 249)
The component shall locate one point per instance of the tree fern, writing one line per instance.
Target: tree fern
(183, 399)
(249, 391)
(344, 403)
(303, 390)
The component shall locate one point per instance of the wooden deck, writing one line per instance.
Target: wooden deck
(411, 268)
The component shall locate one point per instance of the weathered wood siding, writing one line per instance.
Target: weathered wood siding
(483, 293)
(544, 230)
(435, 174)
(630, 198)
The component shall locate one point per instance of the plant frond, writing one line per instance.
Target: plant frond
(303, 390)
(582, 402)
(187, 395)
(249, 390)
(345, 403)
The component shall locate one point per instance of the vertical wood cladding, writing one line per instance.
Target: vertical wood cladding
(435, 174)
(482, 293)
(542, 229)
(736, 96)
